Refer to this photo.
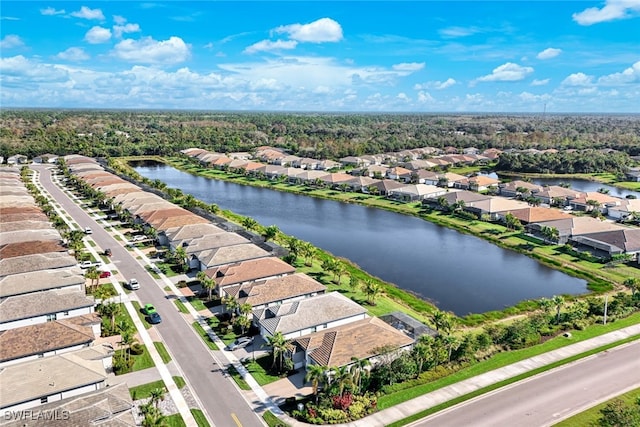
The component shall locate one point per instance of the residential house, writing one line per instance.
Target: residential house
(613, 242)
(353, 162)
(426, 177)
(595, 200)
(48, 379)
(36, 262)
(574, 226)
(413, 192)
(375, 171)
(633, 174)
(327, 164)
(43, 340)
(17, 159)
(335, 347)
(533, 214)
(188, 231)
(211, 258)
(482, 183)
(248, 271)
(624, 209)
(42, 280)
(454, 197)
(399, 174)
(552, 193)
(44, 306)
(309, 315)
(384, 186)
(518, 188)
(307, 177)
(494, 207)
(361, 183)
(107, 406)
(276, 291)
(199, 247)
(335, 180)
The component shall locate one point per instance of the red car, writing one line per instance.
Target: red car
(104, 274)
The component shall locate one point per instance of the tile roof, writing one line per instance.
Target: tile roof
(34, 281)
(245, 271)
(42, 338)
(191, 230)
(231, 254)
(580, 225)
(40, 303)
(276, 289)
(13, 250)
(538, 214)
(161, 224)
(44, 224)
(210, 241)
(107, 407)
(34, 262)
(627, 239)
(336, 346)
(47, 376)
(309, 312)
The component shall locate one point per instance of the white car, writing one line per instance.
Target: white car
(133, 284)
(89, 264)
(88, 230)
(138, 238)
(240, 343)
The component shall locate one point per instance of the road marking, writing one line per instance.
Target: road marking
(236, 419)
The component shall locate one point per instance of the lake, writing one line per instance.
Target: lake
(457, 272)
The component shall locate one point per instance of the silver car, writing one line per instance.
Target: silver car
(240, 343)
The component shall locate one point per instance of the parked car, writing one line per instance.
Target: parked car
(138, 238)
(149, 309)
(104, 274)
(89, 264)
(133, 284)
(240, 343)
(88, 230)
(107, 252)
(154, 318)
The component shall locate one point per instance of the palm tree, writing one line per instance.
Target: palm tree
(157, 396)
(127, 338)
(372, 291)
(318, 376)
(111, 310)
(180, 257)
(294, 246)
(546, 305)
(93, 274)
(558, 302)
(423, 352)
(231, 304)
(359, 370)
(343, 377)
(278, 345)
(270, 232)
(339, 270)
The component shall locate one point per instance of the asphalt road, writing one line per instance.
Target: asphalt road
(222, 401)
(550, 397)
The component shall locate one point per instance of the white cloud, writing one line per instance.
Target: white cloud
(408, 66)
(322, 30)
(438, 85)
(403, 96)
(424, 97)
(508, 72)
(612, 10)
(549, 53)
(50, 11)
(86, 13)
(537, 82)
(11, 41)
(98, 35)
(119, 30)
(268, 45)
(73, 54)
(578, 79)
(150, 51)
(458, 31)
(629, 75)
(19, 66)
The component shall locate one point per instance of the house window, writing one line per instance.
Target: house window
(43, 399)
(51, 317)
(66, 313)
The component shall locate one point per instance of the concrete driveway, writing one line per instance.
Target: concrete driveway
(291, 386)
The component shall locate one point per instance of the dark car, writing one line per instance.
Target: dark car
(107, 252)
(154, 318)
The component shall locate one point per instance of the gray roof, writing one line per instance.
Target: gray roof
(7, 237)
(231, 254)
(48, 376)
(41, 303)
(190, 231)
(35, 262)
(24, 225)
(309, 312)
(211, 241)
(40, 280)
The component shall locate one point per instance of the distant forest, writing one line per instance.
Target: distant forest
(331, 136)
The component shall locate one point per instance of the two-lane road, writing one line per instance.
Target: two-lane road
(221, 399)
(548, 398)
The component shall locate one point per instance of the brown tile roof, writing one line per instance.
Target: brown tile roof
(538, 214)
(13, 250)
(19, 210)
(25, 225)
(42, 338)
(30, 216)
(167, 212)
(245, 271)
(231, 254)
(275, 290)
(336, 346)
(191, 230)
(177, 221)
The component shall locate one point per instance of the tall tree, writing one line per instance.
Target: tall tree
(317, 374)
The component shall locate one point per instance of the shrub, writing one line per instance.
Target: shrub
(136, 349)
(333, 416)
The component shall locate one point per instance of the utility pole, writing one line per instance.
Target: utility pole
(604, 322)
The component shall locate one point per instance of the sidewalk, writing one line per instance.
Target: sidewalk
(445, 394)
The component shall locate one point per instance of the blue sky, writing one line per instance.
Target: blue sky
(401, 56)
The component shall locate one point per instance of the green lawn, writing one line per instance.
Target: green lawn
(142, 317)
(175, 420)
(200, 330)
(181, 306)
(201, 420)
(590, 416)
(142, 361)
(503, 359)
(272, 420)
(197, 303)
(258, 370)
(162, 350)
(144, 391)
(238, 378)
(179, 381)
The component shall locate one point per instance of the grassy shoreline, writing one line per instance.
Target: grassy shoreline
(598, 278)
